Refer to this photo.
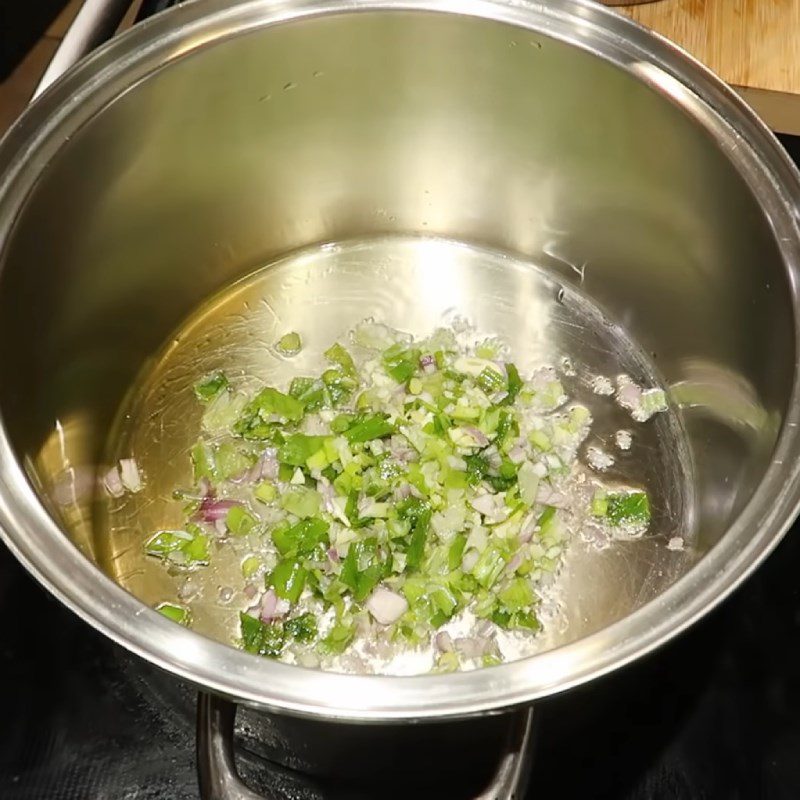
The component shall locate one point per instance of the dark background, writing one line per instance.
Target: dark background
(22, 24)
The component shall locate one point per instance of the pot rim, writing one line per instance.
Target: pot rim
(38, 542)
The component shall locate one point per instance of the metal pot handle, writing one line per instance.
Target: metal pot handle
(219, 780)
(94, 24)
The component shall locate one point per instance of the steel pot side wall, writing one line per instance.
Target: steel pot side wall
(213, 141)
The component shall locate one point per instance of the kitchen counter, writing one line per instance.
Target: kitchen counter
(754, 45)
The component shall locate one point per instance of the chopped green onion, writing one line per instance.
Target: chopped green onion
(400, 363)
(304, 538)
(490, 380)
(207, 389)
(289, 344)
(517, 595)
(270, 401)
(288, 579)
(310, 392)
(515, 384)
(265, 492)
(339, 356)
(203, 462)
(177, 614)
(240, 521)
(250, 566)
(600, 503)
(261, 638)
(338, 638)
(231, 461)
(301, 502)
(302, 628)
(488, 567)
(298, 448)
(373, 427)
(540, 440)
(632, 507)
(414, 469)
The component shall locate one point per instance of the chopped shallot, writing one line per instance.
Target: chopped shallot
(386, 606)
(129, 474)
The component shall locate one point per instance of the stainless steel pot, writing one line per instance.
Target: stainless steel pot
(222, 134)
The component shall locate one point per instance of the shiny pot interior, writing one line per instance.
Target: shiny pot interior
(222, 136)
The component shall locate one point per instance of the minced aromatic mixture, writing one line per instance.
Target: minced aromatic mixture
(416, 496)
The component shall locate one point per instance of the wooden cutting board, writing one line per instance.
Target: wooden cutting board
(752, 44)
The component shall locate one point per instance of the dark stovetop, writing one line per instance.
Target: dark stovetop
(714, 715)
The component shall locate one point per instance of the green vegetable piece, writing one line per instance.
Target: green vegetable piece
(488, 567)
(240, 521)
(231, 461)
(490, 380)
(285, 543)
(196, 551)
(599, 504)
(446, 662)
(369, 428)
(339, 386)
(528, 483)
(289, 344)
(302, 628)
(546, 521)
(517, 595)
(253, 428)
(540, 440)
(298, 448)
(414, 589)
(261, 638)
(203, 462)
(285, 472)
(419, 536)
(177, 614)
(266, 492)
(443, 600)
(527, 620)
(499, 483)
(477, 468)
(400, 363)
(362, 568)
(165, 542)
(310, 534)
(301, 539)
(338, 638)
(192, 543)
(501, 617)
(337, 354)
(351, 510)
(578, 417)
(250, 566)
(456, 552)
(208, 388)
(466, 412)
(309, 391)
(491, 660)
(301, 502)
(342, 422)
(329, 473)
(288, 579)
(515, 384)
(270, 401)
(508, 469)
(653, 401)
(632, 507)
(506, 426)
